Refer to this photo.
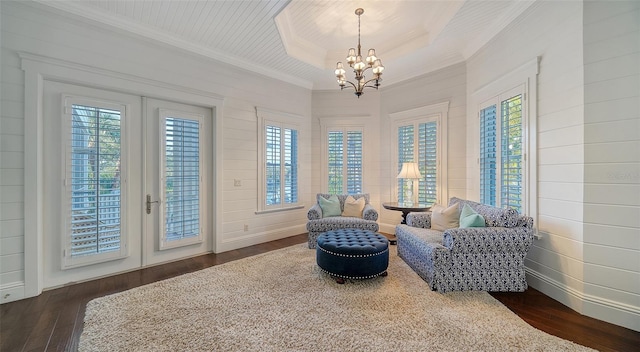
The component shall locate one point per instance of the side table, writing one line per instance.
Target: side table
(405, 208)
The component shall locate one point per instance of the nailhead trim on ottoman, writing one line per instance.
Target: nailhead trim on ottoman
(352, 253)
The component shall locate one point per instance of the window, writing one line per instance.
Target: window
(421, 139)
(282, 165)
(180, 210)
(506, 144)
(502, 167)
(94, 208)
(278, 155)
(344, 165)
(417, 142)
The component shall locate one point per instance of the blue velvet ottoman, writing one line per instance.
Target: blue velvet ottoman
(352, 254)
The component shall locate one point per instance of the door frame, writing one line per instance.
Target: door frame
(39, 68)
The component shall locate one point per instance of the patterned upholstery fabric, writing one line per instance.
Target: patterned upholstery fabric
(462, 259)
(317, 224)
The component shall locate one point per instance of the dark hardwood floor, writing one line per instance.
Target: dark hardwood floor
(53, 321)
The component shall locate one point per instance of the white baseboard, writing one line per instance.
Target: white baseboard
(256, 238)
(12, 292)
(595, 307)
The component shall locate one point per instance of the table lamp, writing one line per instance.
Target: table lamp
(409, 172)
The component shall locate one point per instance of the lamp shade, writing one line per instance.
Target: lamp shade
(410, 170)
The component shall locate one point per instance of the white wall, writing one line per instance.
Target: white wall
(612, 159)
(38, 30)
(587, 156)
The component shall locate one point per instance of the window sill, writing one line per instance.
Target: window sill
(301, 206)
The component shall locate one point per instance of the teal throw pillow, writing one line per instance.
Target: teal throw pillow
(330, 207)
(470, 218)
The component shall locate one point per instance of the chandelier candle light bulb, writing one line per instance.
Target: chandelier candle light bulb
(354, 59)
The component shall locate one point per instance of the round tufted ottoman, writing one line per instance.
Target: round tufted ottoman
(352, 254)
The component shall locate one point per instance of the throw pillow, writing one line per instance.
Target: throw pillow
(353, 207)
(444, 218)
(330, 207)
(470, 218)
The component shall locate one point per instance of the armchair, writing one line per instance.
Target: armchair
(317, 223)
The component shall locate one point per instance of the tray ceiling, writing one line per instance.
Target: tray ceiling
(299, 41)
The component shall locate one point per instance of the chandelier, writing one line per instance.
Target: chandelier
(354, 59)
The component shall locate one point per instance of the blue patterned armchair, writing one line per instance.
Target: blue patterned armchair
(487, 258)
(318, 224)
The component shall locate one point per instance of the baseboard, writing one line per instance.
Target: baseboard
(12, 292)
(256, 238)
(595, 307)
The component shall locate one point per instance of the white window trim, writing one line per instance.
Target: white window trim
(435, 112)
(164, 114)
(527, 75)
(67, 261)
(355, 123)
(283, 119)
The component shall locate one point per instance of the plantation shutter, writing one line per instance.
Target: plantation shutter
(290, 146)
(511, 153)
(281, 156)
(93, 180)
(488, 155)
(405, 154)
(419, 143)
(501, 153)
(354, 162)
(428, 162)
(335, 158)
(273, 165)
(181, 168)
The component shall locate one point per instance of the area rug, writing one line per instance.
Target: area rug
(281, 301)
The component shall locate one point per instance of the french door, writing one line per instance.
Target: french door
(126, 182)
(179, 175)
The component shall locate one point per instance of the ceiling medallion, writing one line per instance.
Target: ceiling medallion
(359, 67)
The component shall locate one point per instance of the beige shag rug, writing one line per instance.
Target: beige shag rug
(281, 301)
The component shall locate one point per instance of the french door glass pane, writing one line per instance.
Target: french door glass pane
(182, 178)
(95, 180)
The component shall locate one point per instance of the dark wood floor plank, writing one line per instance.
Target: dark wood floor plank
(54, 320)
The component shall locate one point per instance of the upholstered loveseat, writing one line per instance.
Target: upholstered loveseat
(319, 222)
(489, 258)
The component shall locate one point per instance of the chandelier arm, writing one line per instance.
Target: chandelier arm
(352, 85)
(367, 82)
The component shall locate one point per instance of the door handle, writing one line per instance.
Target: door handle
(149, 202)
